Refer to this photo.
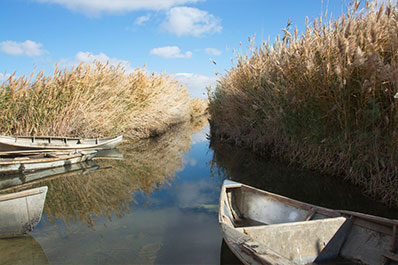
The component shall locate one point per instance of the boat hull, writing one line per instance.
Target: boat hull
(21, 212)
(8, 143)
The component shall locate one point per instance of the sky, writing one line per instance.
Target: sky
(194, 41)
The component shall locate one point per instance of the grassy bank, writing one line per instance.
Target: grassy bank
(93, 101)
(325, 99)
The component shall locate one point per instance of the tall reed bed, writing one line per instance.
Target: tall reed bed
(91, 101)
(326, 99)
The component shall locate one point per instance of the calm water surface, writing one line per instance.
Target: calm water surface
(159, 204)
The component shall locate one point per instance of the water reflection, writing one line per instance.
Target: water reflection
(26, 180)
(227, 257)
(156, 206)
(81, 194)
(171, 218)
(292, 181)
(159, 204)
(22, 251)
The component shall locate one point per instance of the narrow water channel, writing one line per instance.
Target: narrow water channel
(159, 204)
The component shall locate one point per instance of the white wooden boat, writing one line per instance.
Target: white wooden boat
(264, 228)
(20, 212)
(8, 143)
(42, 160)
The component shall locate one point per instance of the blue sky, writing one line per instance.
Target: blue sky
(177, 37)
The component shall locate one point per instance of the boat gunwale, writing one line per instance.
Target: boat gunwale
(24, 193)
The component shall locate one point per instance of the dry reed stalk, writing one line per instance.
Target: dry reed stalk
(92, 101)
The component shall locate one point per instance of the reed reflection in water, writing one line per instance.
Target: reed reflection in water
(292, 181)
(158, 205)
(109, 190)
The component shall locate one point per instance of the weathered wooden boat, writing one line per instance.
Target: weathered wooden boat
(43, 160)
(264, 228)
(20, 212)
(8, 143)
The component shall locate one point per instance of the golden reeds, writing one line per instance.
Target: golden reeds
(92, 101)
(326, 99)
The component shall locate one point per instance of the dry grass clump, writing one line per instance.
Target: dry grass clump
(326, 99)
(92, 100)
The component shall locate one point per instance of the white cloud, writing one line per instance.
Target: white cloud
(170, 52)
(4, 77)
(141, 20)
(97, 7)
(197, 84)
(213, 51)
(90, 58)
(29, 48)
(195, 194)
(200, 136)
(191, 21)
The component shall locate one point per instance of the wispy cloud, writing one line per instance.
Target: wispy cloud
(170, 52)
(90, 58)
(141, 20)
(28, 48)
(213, 51)
(190, 21)
(197, 84)
(98, 7)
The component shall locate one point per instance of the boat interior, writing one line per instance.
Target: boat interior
(302, 233)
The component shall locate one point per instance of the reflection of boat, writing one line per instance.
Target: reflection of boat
(20, 212)
(42, 161)
(113, 154)
(22, 250)
(8, 143)
(30, 178)
(265, 228)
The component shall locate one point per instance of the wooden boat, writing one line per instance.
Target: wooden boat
(8, 143)
(20, 212)
(264, 228)
(42, 160)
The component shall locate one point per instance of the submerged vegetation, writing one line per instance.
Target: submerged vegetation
(93, 101)
(326, 99)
